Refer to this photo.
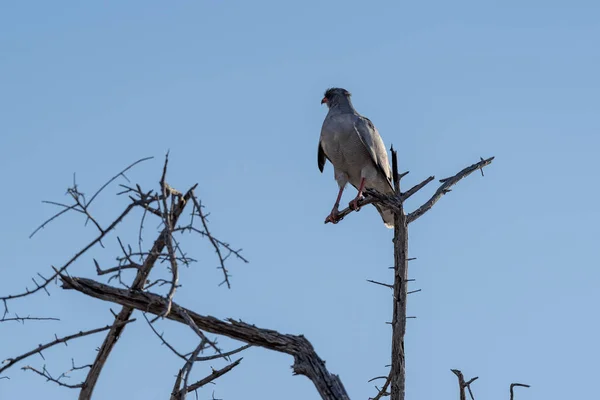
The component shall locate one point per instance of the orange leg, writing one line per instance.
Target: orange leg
(333, 215)
(354, 203)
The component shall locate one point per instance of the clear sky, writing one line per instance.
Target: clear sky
(507, 264)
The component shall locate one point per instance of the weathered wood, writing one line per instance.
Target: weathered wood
(306, 360)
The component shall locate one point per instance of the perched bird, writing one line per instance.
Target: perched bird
(352, 144)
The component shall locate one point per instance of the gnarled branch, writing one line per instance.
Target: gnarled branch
(306, 360)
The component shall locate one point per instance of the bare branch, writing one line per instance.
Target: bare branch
(369, 199)
(74, 258)
(187, 369)
(12, 361)
(306, 360)
(380, 283)
(513, 385)
(383, 391)
(188, 320)
(118, 268)
(397, 373)
(175, 395)
(213, 241)
(215, 374)
(84, 210)
(163, 340)
(44, 372)
(168, 222)
(122, 173)
(464, 385)
(28, 318)
(416, 188)
(445, 187)
(138, 284)
(223, 355)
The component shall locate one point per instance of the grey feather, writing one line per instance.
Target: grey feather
(374, 143)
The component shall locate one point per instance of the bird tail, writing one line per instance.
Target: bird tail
(387, 216)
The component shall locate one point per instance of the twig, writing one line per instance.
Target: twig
(44, 372)
(118, 268)
(168, 222)
(160, 336)
(198, 332)
(74, 258)
(187, 368)
(464, 385)
(513, 385)
(416, 188)
(223, 355)
(383, 391)
(116, 176)
(215, 244)
(23, 319)
(12, 361)
(380, 283)
(67, 208)
(445, 187)
(215, 374)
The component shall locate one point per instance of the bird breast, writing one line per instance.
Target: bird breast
(343, 147)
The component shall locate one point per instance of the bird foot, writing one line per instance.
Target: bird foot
(354, 203)
(333, 217)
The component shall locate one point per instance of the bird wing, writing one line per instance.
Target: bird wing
(370, 138)
(321, 157)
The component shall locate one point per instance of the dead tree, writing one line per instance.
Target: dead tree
(142, 291)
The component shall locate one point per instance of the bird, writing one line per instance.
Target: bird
(354, 147)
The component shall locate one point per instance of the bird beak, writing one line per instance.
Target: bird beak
(324, 100)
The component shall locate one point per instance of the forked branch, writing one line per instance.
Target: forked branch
(306, 360)
(447, 183)
(393, 202)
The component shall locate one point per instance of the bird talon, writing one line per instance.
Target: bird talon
(354, 204)
(333, 218)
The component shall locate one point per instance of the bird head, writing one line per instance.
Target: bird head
(334, 95)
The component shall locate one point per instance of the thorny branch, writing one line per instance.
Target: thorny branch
(12, 361)
(383, 391)
(306, 360)
(168, 204)
(447, 183)
(170, 214)
(28, 318)
(462, 385)
(393, 202)
(216, 243)
(214, 375)
(58, 380)
(44, 373)
(513, 385)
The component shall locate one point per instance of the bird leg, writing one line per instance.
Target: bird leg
(333, 216)
(354, 203)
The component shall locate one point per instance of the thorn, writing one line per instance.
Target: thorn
(481, 168)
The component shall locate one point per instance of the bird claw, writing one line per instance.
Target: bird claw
(332, 217)
(354, 203)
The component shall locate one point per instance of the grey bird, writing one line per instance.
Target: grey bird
(353, 145)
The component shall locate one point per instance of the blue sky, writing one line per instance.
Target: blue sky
(507, 264)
